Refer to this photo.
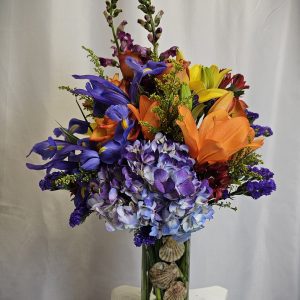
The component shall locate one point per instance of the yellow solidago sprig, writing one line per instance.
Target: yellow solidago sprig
(205, 81)
(171, 93)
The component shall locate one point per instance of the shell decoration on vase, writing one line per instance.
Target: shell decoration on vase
(171, 250)
(163, 274)
(176, 291)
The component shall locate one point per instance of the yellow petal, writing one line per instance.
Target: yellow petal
(179, 56)
(197, 86)
(195, 73)
(220, 76)
(209, 94)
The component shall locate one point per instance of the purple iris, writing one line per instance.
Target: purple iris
(118, 113)
(103, 92)
(75, 126)
(140, 71)
(46, 149)
(111, 151)
(64, 157)
(89, 160)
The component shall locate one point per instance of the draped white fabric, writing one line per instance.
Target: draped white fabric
(254, 253)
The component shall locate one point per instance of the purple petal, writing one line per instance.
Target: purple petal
(161, 175)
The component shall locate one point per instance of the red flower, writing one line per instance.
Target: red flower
(217, 176)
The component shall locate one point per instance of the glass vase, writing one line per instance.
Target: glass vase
(165, 270)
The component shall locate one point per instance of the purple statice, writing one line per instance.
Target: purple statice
(257, 189)
(225, 194)
(252, 116)
(264, 172)
(153, 185)
(142, 237)
(48, 182)
(262, 130)
(78, 216)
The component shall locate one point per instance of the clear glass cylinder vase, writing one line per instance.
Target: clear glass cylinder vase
(165, 270)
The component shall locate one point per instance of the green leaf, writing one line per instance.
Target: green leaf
(71, 138)
(186, 95)
(198, 111)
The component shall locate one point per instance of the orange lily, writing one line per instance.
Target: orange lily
(104, 129)
(119, 83)
(235, 107)
(145, 114)
(219, 136)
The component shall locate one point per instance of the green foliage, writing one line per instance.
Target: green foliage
(224, 204)
(169, 96)
(95, 60)
(66, 88)
(71, 138)
(66, 181)
(238, 166)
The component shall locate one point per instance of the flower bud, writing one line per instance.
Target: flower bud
(152, 9)
(158, 33)
(158, 17)
(142, 22)
(150, 37)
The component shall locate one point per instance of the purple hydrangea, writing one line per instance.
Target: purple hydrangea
(153, 185)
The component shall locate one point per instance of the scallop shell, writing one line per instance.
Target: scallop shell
(171, 250)
(162, 275)
(176, 291)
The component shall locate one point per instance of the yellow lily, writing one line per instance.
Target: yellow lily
(205, 81)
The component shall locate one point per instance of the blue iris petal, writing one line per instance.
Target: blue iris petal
(140, 71)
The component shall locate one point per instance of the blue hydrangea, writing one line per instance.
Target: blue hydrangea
(153, 185)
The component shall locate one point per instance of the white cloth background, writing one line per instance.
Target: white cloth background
(254, 252)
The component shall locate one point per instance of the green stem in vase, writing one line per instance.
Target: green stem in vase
(158, 294)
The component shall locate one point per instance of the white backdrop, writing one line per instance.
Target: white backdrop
(254, 252)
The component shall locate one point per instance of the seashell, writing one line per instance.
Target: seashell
(162, 275)
(171, 250)
(176, 291)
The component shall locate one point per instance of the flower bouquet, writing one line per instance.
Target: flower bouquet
(156, 150)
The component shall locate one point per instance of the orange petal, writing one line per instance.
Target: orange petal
(135, 111)
(189, 130)
(100, 135)
(238, 108)
(151, 118)
(223, 103)
(209, 122)
(144, 106)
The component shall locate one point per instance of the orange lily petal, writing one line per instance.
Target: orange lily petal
(135, 111)
(189, 130)
(223, 103)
